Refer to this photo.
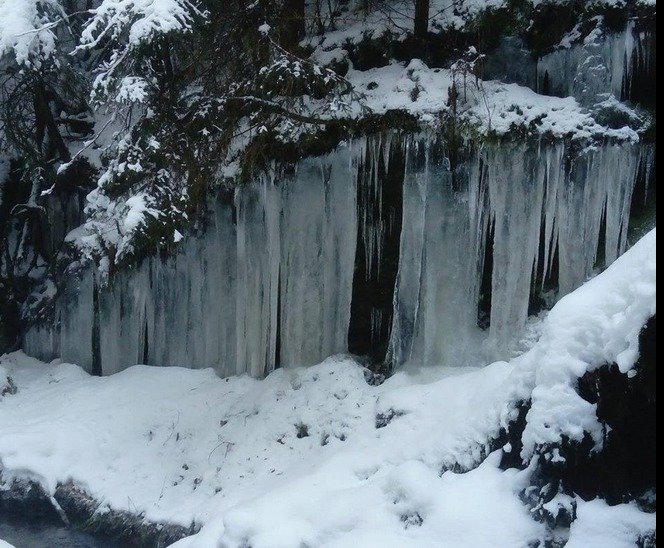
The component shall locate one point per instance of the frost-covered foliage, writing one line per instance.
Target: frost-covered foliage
(190, 136)
(51, 55)
(120, 29)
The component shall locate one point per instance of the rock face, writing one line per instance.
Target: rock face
(625, 468)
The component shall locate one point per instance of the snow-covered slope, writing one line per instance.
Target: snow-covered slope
(318, 457)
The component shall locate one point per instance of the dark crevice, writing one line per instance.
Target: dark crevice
(546, 86)
(552, 281)
(643, 208)
(600, 254)
(484, 301)
(536, 301)
(96, 342)
(277, 346)
(374, 281)
(146, 348)
(641, 88)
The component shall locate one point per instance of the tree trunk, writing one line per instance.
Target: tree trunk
(292, 24)
(45, 125)
(421, 18)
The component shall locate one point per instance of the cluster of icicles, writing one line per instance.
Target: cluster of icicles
(598, 65)
(271, 281)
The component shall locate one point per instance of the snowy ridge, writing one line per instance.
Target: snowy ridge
(318, 456)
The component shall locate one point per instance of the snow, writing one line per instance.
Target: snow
(599, 525)
(26, 31)
(141, 20)
(316, 455)
(597, 324)
(5, 544)
(406, 505)
(135, 215)
(230, 448)
(238, 435)
(491, 107)
(132, 89)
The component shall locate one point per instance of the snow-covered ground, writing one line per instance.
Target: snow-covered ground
(318, 457)
(489, 106)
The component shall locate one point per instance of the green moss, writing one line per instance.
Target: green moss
(268, 148)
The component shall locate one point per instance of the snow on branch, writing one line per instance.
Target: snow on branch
(123, 26)
(27, 30)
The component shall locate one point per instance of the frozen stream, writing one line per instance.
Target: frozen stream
(33, 532)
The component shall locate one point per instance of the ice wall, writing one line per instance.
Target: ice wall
(274, 279)
(540, 200)
(268, 283)
(599, 65)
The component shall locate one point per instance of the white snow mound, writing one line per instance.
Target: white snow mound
(316, 456)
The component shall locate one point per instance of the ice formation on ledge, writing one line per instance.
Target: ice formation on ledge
(599, 65)
(271, 281)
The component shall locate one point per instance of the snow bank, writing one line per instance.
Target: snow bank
(216, 443)
(597, 324)
(599, 525)
(317, 456)
(491, 107)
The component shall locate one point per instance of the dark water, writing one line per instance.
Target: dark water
(24, 532)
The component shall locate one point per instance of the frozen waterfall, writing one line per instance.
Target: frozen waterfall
(599, 65)
(382, 240)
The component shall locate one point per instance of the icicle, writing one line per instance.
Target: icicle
(407, 290)
(620, 170)
(338, 258)
(436, 300)
(598, 65)
(516, 193)
(646, 165)
(257, 276)
(75, 344)
(555, 170)
(292, 244)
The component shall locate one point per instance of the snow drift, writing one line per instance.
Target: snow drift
(318, 456)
